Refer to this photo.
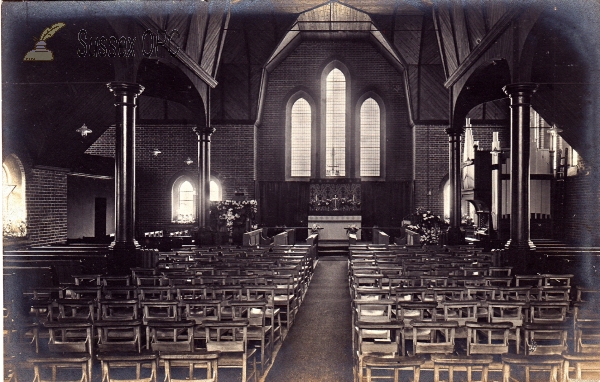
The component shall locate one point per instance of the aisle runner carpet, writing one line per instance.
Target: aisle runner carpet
(318, 348)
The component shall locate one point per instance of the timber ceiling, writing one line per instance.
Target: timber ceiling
(43, 103)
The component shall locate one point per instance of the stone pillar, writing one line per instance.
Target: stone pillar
(454, 234)
(520, 104)
(204, 134)
(125, 103)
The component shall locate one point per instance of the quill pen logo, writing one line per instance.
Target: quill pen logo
(41, 53)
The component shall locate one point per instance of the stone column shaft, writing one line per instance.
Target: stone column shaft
(204, 135)
(454, 233)
(520, 105)
(125, 103)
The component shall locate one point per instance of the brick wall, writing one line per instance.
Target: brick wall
(155, 174)
(46, 197)
(302, 69)
(581, 220)
(232, 159)
(105, 145)
(431, 166)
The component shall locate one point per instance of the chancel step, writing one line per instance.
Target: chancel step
(333, 248)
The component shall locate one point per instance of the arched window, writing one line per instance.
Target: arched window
(184, 200)
(335, 125)
(301, 126)
(216, 193)
(14, 209)
(370, 139)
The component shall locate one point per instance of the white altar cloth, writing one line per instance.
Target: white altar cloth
(334, 226)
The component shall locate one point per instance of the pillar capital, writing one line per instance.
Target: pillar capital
(517, 89)
(125, 88)
(204, 131)
(455, 131)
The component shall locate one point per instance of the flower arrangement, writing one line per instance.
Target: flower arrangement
(230, 213)
(466, 220)
(315, 228)
(427, 225)
(14, 228)
(353, 229)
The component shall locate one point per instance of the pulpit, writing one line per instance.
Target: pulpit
(334, 206)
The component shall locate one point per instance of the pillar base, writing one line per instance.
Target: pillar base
(122, 257)
(522, 246)
(519, 256)
(455, 236)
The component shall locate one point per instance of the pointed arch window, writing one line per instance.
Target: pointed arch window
(370, 138)
(301, 138)
(335, 125)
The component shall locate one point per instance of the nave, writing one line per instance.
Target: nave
(279, 313)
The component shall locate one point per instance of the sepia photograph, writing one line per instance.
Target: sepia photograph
(301, 190)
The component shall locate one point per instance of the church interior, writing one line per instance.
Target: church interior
(301, 190)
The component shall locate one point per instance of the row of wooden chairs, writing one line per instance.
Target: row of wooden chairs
(100, 316)
(432, 312)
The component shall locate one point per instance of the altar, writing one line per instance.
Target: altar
(334, 226)
(334, 205)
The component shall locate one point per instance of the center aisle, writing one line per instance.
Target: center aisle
(319, 345)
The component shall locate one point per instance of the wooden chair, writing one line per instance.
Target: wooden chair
(91, 279)
(588, 363)
(69, 346)
(500, 311)
(230, 338)
(115, 280)
(120, 292)
(488, 331)
(155, 293)
(460, 311)
(121, 360)
(170, 336)
(118, 310)
(285, 298)
(272, 313)
(119, 335)
(74, 309)
(258, 330)
(159, 310)
(545, 339)
(587, 336)
(550, 364)
(192, 361)
(83, 292)
(387, 341)
(454, 362)
(441, 337)
(396, 364)
(548, 312)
